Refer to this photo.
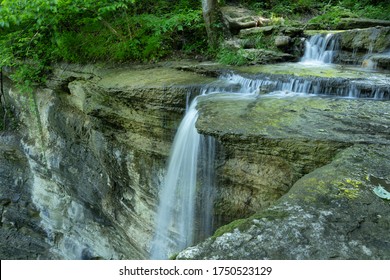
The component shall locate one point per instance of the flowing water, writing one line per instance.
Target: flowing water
(185, 211)
(190, 168)
(320, 48)
(375, 88)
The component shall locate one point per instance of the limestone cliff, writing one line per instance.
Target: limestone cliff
(95, 144)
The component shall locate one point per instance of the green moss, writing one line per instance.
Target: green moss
(244, 224)
(174, 256)
(349, 188)
(301, 70)
(229, 227)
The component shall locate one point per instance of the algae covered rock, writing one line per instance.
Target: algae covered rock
(331, 213)
(357, 43)
(352, 23)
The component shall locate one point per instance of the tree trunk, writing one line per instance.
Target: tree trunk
(213, 21)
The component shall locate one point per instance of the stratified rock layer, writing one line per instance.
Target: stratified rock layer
(95, 143)
(20, 233)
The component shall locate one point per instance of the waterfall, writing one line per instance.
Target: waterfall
(280, 86)
(320, 48)
(206, 201)
(176, 215)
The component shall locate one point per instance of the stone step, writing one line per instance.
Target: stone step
(351, 23)
(262, 56)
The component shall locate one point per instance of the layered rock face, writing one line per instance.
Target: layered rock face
(20, 232)
(260, 40)
(365, 46)
(95, 146)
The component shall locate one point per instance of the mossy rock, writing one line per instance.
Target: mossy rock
(353, 23)
(331, 213)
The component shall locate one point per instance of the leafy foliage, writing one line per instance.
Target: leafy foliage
(369, 8)
(378, 9)
(36, 33)
(231, 57)
(332, 15)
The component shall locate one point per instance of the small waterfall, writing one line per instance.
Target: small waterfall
(316, 86)
(190, 169)
(320, 48)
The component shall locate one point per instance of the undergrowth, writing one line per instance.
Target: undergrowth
(329, 11)
(34, 34)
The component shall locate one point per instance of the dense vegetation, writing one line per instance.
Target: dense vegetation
(36, 33)
(326, 10)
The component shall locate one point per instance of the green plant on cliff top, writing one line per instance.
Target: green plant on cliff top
(36, 33)
(332, 15)
(29, 29)
(231, 57)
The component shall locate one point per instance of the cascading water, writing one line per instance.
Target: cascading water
(314, 86)
(320, 48)
(177, 211)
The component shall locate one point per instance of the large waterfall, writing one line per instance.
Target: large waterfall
(188, 183)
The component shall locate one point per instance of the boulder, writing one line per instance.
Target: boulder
(282, 41)
(356, 44)
(237, 18)
(331, 213)
(262, 56)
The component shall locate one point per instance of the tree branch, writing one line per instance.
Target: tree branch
(2, 99)
(113, 31)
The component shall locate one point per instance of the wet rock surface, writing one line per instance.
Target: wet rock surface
(331, 213)
(21, 234)
(357, 44)
(95, 149)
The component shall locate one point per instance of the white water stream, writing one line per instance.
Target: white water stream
(190, 168)
(175, 216)
(320, 48)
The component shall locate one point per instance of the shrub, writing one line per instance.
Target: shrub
(37, 33)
